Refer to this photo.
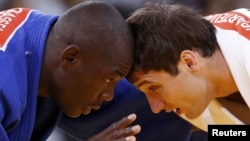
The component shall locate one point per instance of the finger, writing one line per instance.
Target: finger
(123, 133)
(130, 138)
(136, 129)
(122, 123)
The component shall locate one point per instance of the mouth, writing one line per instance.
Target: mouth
(89, 109)
(73, 115)
(96, 107)
(178, 111)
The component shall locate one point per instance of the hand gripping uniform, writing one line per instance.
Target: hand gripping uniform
(233, 36)
(23, 34)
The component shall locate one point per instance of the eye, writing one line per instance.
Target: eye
(108, 80)
(153, 89)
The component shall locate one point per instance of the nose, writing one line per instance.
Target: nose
(155, 105)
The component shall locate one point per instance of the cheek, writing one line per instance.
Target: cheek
(189, 97)
(86, 86)
(175, 94)
(169, 92)
(80, 94)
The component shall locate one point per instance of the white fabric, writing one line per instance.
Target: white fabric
(235, 46)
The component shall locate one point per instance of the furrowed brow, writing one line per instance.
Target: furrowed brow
(143, 83)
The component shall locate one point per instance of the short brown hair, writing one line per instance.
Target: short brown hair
(162, 31)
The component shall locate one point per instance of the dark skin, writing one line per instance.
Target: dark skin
(119, 131)
(84, 59)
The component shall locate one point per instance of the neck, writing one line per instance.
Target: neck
(44, 81)
(221, 76)
(47, 65)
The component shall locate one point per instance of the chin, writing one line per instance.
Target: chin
(196, 112)
(73, 115)
(192, 115)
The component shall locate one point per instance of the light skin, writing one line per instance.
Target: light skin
(199, 81)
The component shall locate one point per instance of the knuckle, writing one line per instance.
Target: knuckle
(125, 119)
(127, 130)
(114, 134)
(114, 126)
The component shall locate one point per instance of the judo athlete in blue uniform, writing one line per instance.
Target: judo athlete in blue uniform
(69, 63)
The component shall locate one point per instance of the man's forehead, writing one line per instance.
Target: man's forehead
(114, 69)
(135, 76)
(140, 78)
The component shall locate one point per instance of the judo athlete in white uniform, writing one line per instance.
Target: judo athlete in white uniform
(197, 66)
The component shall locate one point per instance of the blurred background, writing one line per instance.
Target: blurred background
(57, 7)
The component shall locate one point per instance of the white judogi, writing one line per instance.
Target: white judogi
(233, 36)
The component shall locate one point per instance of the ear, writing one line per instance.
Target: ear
(70, 56)
(190, 60)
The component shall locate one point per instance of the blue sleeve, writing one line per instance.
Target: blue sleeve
(3, 133)
(127, 100)
(11, 104)
(8, 114)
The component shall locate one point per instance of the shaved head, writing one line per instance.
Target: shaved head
(93, 18)
(89, 49)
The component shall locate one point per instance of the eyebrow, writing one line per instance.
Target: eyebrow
(119, 73)
(143, 83)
